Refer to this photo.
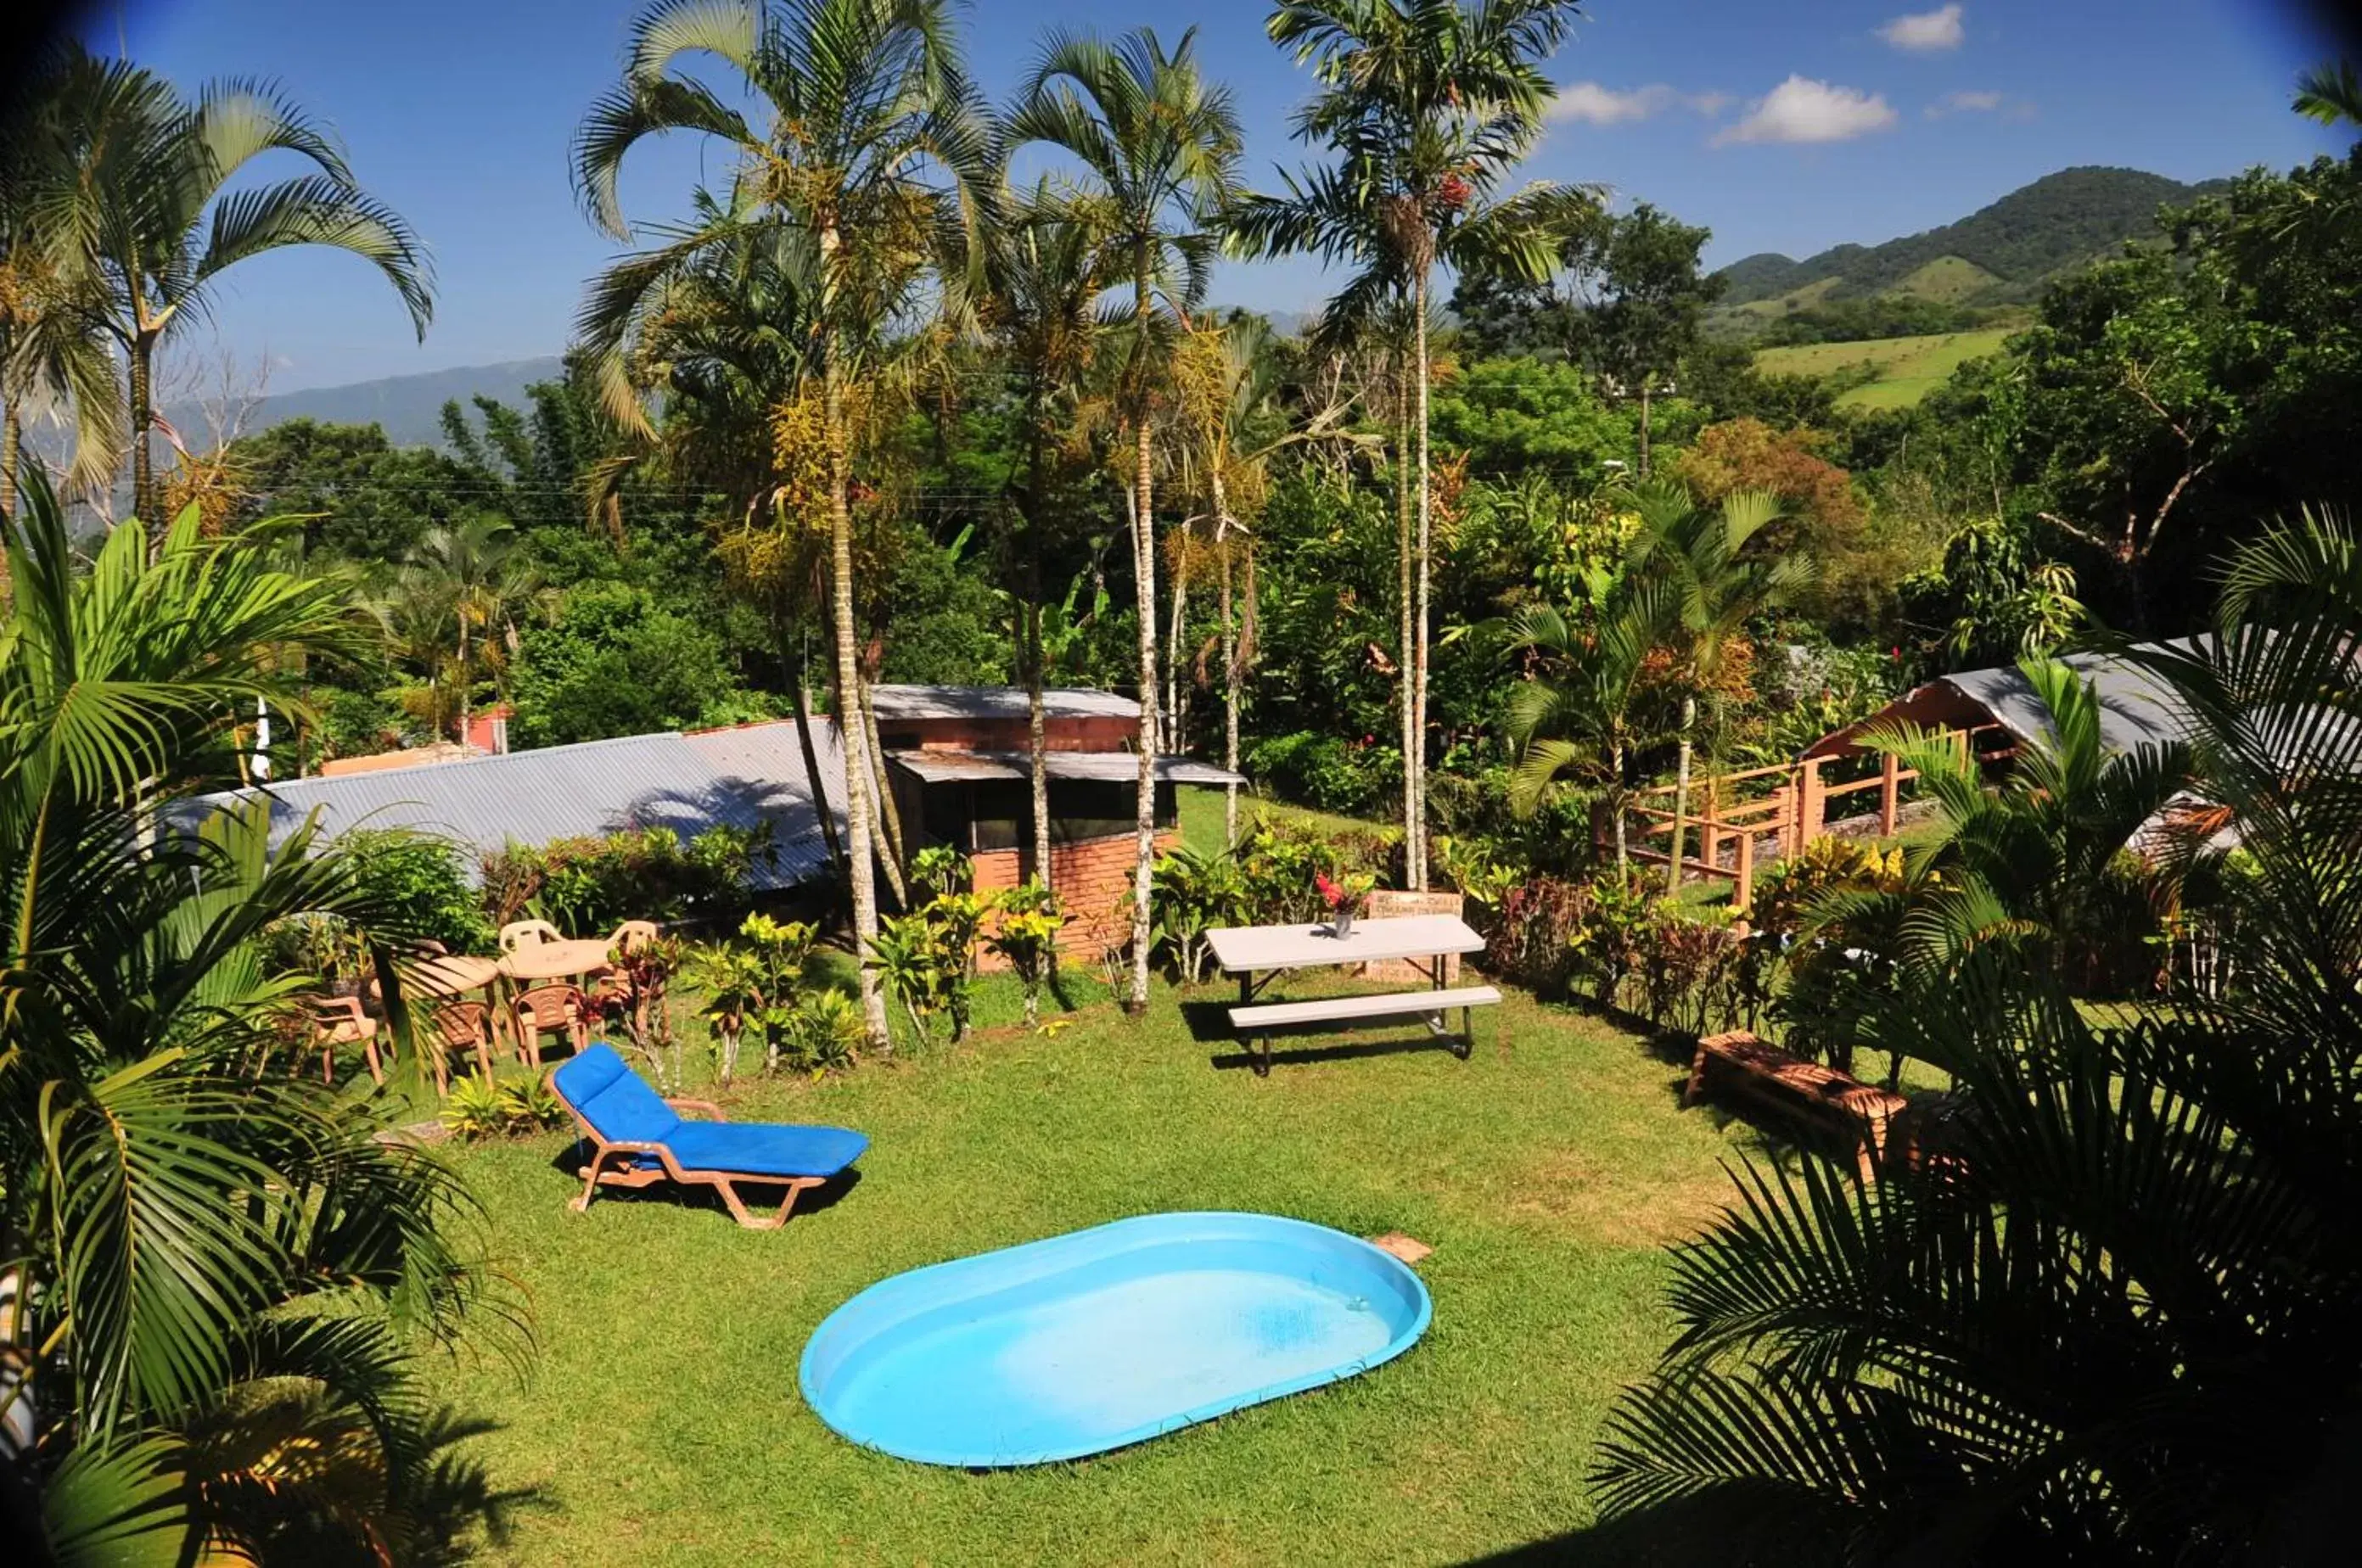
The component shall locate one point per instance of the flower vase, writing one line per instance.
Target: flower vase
(1341, 924)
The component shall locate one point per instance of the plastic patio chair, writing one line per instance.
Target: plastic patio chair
(638, 1139)
(461, 1027)
(546, 1010)
(527, 933)
(339, 1021)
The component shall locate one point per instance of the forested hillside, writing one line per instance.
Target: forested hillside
(2030, 235)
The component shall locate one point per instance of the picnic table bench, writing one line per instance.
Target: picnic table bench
(1855, 1110)
(1269, 952)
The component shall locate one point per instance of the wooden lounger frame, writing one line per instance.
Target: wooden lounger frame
(597, 1173)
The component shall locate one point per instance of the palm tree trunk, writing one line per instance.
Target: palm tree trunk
(1037, 727)
(12, 436)
(890, 814)
(1230, 672)
(1417, 848)
(464, 682)
(1682, 790)
(1174, 688)
(12, 446)
(795, 661)
(1404, 589)
(848, 675)
(1143, 547)
(143, 480)
(1644, 426)
(1623, 856)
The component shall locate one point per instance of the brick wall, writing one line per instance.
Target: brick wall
(1089, 734)
(1091, 879)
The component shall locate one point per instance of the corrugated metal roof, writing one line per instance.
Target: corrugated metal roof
(730, 778)
(1109, 767)
(765, 763)
(911, 702)
(2136, 708)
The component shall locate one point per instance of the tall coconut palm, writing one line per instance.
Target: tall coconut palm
(1428, 106)
(1712, 585)
(870, 140)
(148, 224)
(714, 321)
(2111, 1324)
(1157, 144)
(1048, 265)
(219, 1276)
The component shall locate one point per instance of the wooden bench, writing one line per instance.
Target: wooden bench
(1854, 1110)
(1259, 1023)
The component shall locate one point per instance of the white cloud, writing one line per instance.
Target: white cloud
(1802, 110)
(1589, 103)
(1964, 103)
(1928, 31)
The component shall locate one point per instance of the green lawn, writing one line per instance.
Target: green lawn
(1200, 809)
(661, 1421)
(1909, 367)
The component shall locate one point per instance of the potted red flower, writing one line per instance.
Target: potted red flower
(1345, 897)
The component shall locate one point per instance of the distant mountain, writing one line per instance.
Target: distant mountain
(409, 406)
(2000, 255)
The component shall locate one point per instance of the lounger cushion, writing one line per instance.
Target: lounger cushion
(758, 1149)
(620, 1105)
(613, 1099)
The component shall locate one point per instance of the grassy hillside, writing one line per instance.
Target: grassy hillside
(1907, 366)
(1949, 281)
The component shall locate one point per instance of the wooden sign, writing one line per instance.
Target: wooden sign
(1386, 904)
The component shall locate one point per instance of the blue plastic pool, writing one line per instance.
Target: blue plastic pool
(1087, 1342)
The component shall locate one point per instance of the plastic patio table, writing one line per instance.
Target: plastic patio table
(1425, 940)
(562, 959)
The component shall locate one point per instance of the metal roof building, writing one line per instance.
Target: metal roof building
(2136, 709)
(910, 702)
(736, 778)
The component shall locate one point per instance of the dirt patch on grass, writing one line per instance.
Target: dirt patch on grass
(1596, 1200)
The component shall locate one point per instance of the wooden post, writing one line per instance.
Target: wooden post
(1745, 896)
(1889, 784)
(1809, 802)
(1710, 829)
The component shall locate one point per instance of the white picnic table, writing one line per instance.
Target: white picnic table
(1272, 950)
(1269, 952)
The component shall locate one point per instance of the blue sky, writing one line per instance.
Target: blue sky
(1786, 128)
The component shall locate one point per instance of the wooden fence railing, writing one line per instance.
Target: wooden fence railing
(1788, 803)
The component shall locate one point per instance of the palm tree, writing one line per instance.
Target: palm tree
(53, 358)
(1157, 144)
(219, 1277)
(1428, 105)
(1577, 710)
(1227, 385)
(872, 143)
(2330, 93)
(147, 224)
(2111, 1324)
(716, 321)
(1713, 586)
(475, 569)
(1046, 269)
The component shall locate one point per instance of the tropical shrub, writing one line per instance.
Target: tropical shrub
(1027, 935)
(595, 885)
(1323, 770)
(1193, 891)
(421, 877)
(827, 1030)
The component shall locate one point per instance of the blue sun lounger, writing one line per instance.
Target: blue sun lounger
(638, 1139)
